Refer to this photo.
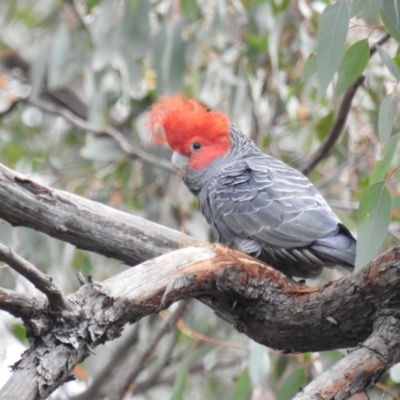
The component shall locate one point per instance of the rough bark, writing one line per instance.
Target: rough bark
(256, 299)
(86, 224)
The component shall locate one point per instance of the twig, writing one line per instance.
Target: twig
(168, 377)
(381, 41)
(125, 382)
(18, 304)
(42, 282)
(387, 390)
(153, 378)
(144, 358)
(114, 134)
(208, 339)
(115, 361)
(337, 128)
(63, 96)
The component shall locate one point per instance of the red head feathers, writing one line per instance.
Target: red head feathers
(190, 129)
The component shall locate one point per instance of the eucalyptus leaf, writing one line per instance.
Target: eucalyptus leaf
(374, 217)
(387, 115)
(242, 387)
(176, 59)
(331, 37)
(180, 381)
(381, 167)
(259, 363)
(169, 55)
(353, 64)
(38, 70)
(391, 10)
(389, 26)
(136, 27)
(292, 384)
(310, 67)
(390, 64)
(58, 56)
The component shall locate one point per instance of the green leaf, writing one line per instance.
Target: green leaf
(169, 57)
(389, 26)
(91, 4)
(292, 384)
(353, 64)
(357, 6)
(259, 363)
(180, 381)
(382, 166)
(373, 220)
(190, 8)
(391, 10)
(81, 262)
(19, 332)
(242, 387)
(136, 27)
(390, 64)
(38, 71)
(58, 56)
(396, 59)
(310, 67)
(387, 114)
(176, 59)
(331, 37)
(323, 125)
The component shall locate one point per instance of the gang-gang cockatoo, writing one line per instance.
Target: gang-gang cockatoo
(255, 203)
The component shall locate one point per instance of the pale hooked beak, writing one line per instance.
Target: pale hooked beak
(180, 163)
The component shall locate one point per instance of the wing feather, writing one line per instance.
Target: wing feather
(264, 199)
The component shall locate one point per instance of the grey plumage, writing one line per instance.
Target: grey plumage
(261, 206)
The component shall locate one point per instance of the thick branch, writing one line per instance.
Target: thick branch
(361, 367)
(86, 224)
(18, 304)
(256, 299)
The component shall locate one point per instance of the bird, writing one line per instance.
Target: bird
(254, 202)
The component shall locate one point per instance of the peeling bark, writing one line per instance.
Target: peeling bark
(258, 300)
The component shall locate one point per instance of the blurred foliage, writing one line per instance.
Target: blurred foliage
(279, 68)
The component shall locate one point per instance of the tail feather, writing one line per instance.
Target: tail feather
(340, 249)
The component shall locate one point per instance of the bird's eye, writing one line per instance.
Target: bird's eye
(196, 146)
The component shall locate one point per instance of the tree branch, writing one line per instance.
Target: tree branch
(42, 282)
(128, 148)
(124, 384)
(337, 128)
(258, 300)
(65, 97)
(18, 304)
(341, 117)
(86, 224)
(361, 367)
(113, 364)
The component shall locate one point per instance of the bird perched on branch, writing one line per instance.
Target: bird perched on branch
(255, 203)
